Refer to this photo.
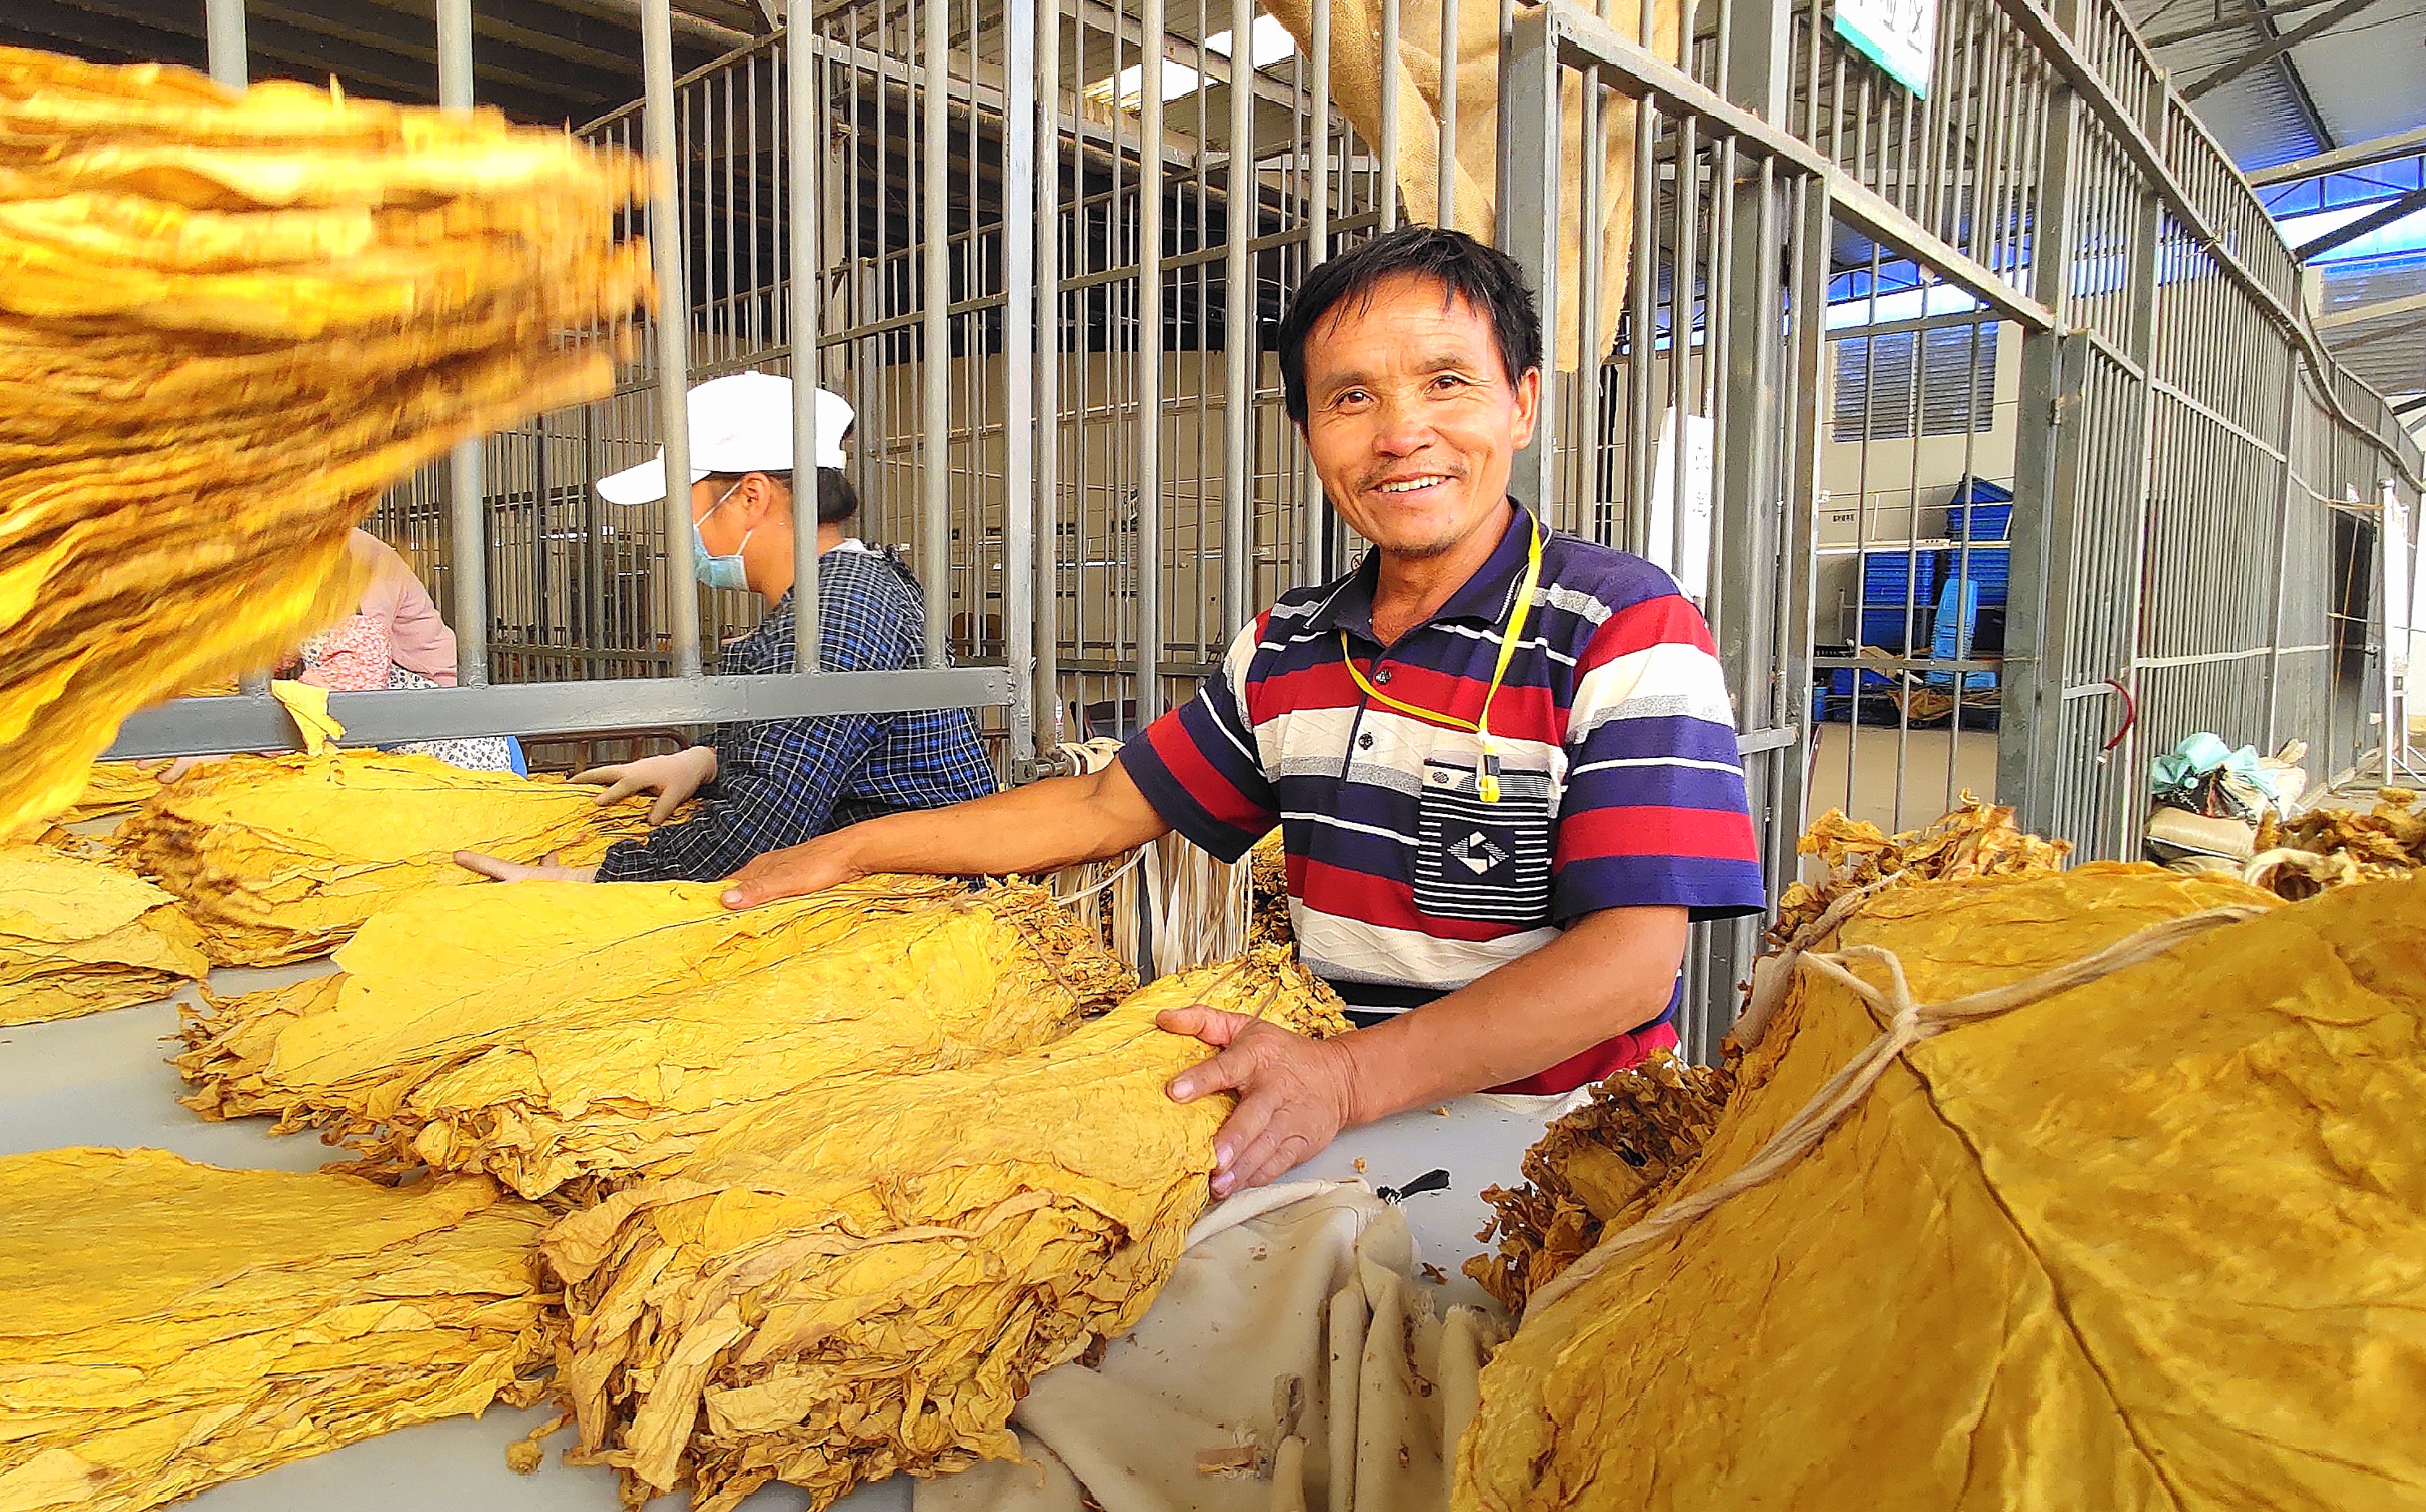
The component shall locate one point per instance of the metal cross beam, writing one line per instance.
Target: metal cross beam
(2373, 220)
(2280, 45)
(2343, 159)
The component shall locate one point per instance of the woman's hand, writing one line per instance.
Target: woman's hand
(674, 778)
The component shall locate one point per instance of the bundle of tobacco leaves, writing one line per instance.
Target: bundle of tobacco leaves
(2334, 847)
(228, 320)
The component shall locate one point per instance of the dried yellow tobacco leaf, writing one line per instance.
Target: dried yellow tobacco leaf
(554, 1033)
(172, 1325)
(1605, 1164)
(1267, 921)
(2156, 1241)
(280, 857)
(78, 937)
(1977, 839)
(228, 321)
(862, 1280)
(113, 790)
(2336, 847)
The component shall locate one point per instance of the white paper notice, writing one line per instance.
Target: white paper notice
(1693, 573)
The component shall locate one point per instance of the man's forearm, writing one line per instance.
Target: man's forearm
(1042, 827)
(1611, 972)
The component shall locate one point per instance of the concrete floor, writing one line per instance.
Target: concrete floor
(1928, 756)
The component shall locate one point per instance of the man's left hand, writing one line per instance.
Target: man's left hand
(504, 871)
(1295, 1094)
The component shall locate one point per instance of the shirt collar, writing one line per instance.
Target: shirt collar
(1483, 597)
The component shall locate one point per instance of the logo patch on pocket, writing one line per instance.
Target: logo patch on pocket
(1480, 853)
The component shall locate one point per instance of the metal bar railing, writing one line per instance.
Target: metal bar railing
(223, 25)
(463, 471)
(1149, 372)
(934, 475)
(666, 246)
(800, 117)
(1240, 320)
(1021, 296)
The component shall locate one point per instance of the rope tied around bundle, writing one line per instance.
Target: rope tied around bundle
(1909, 1023)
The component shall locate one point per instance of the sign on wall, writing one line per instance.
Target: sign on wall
(1900, 36)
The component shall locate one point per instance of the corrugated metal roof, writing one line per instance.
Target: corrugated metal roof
(2363, 79)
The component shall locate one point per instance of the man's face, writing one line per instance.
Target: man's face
(1411, 418)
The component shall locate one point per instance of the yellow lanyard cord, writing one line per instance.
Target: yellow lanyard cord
(1486, 780)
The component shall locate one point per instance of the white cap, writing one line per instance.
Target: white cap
(741, 424)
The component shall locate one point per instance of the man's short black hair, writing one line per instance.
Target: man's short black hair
(837, 501)
(1484, 276)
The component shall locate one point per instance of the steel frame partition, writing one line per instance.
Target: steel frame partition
(477, 706)
(1039, 245)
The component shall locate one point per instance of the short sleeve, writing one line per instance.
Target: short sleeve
(1198, 764)
(1654, 813)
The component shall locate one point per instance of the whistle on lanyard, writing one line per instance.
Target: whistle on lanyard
(1486, 777)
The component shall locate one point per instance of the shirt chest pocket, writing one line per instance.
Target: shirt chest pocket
(1484, 862)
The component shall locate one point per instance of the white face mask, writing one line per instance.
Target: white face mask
(720, 571)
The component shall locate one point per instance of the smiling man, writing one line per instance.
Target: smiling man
(1502, 758)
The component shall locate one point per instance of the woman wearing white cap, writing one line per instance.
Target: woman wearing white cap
(772, 783)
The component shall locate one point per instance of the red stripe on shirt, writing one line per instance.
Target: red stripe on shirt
(1653, 830)
(1381, 902)
(1443, 699)
(1217, 794)
(1667, 621)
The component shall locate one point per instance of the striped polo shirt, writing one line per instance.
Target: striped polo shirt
(1620, 785)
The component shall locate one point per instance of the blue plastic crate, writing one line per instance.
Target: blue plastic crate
(1979, 510)
(1988, 568)
(1980, 521)
(1958, 615)
(1897, 627)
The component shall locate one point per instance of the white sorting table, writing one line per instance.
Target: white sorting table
(105, 1079)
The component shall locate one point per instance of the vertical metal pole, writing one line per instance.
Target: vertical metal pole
(1444, 213)
(471, 559)
(1149, 357)
(2048, 426)
(2279, 562)
(800, 118)
(224, 25)
(1321, 518)
(1528, 222)
(935, 501)
(1388, 145)
(1047, 627)
(1239, 333)
(1020, 297)
(673, 322)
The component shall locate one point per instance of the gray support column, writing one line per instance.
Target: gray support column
(1149, 376)
(1047, 628)
(1020, 297)
(1388, 146)
(1446, 213)
(1528, 217)
(2046, 447)
(223, 24)
(934, 496)
(806, 273)
(2279, 555)
(1240, 331)
(672, 323)
(467, 489)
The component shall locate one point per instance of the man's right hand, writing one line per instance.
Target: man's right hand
(674, 778)
(796, 871)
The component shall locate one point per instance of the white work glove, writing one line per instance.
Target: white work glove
(674, 778)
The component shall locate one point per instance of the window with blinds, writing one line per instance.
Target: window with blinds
(1956, 392)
